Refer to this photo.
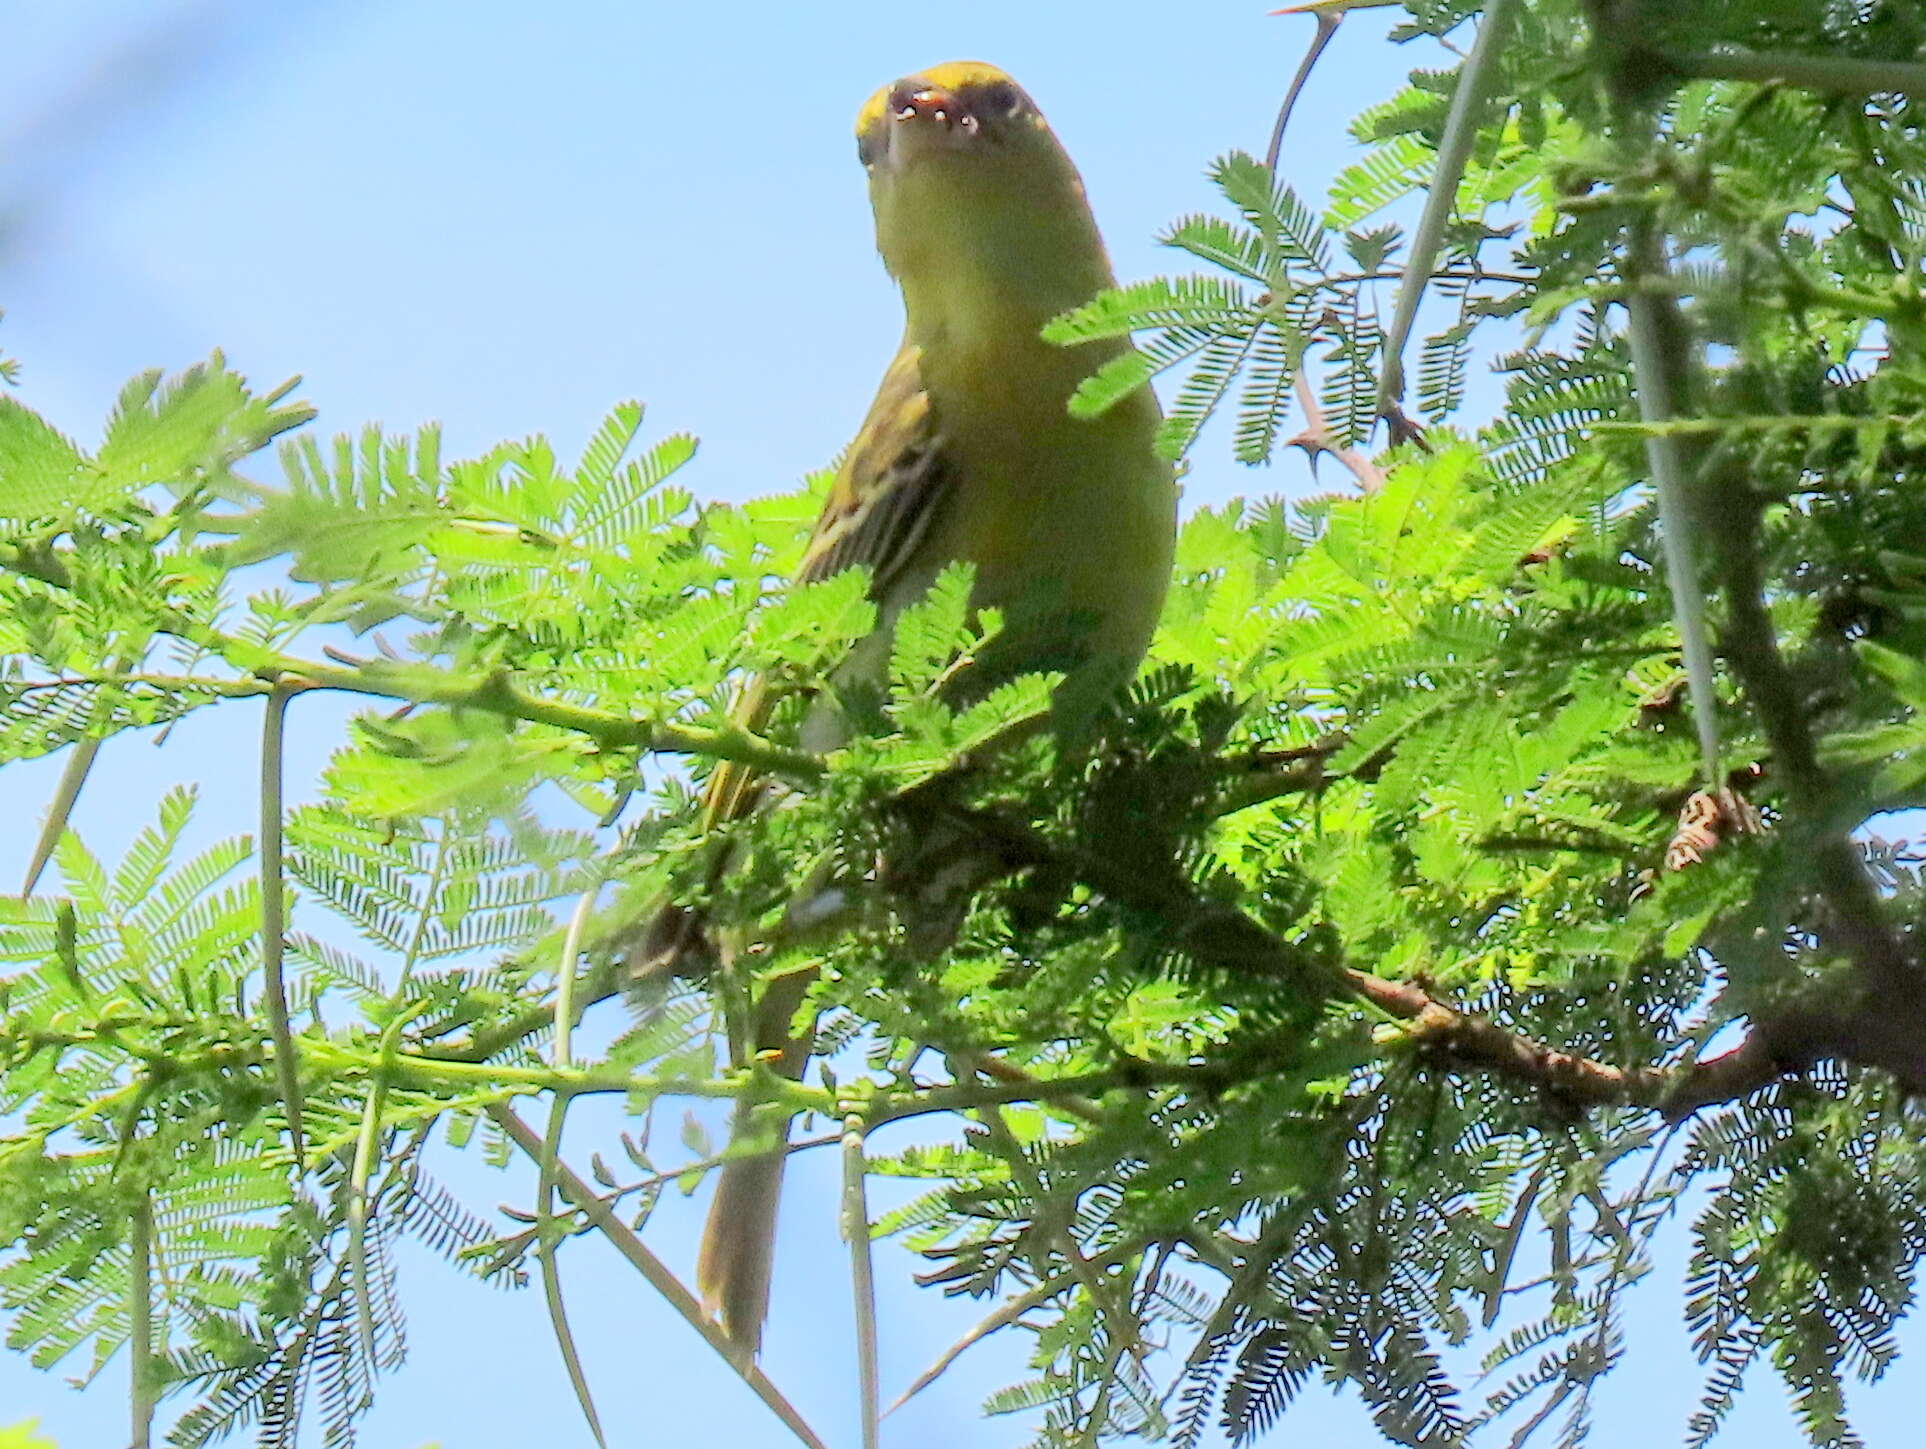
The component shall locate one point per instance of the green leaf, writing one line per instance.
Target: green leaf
(1389, 174)
(1903, 673)
(363, 511)
(1289, 227)
(190, 428)
(1222, 243)
(1159, 302)
(931, 633)
(42, 474)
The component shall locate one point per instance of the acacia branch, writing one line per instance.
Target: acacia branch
(494, 693)
(1273, 773)
(1855, 923)
(1218, 934)
(411, 1069)
(1845, 75)
(1798, 1037)
(1316, 437)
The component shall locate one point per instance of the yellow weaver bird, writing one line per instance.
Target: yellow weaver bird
(968, 453)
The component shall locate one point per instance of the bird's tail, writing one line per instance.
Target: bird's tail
(739, 1238)
(738, 1247)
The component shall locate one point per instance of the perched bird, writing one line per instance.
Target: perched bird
(968, 453)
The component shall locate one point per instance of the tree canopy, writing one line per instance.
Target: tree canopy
(1491, 863)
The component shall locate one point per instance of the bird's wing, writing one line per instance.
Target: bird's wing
(892, 483)
(889, 487)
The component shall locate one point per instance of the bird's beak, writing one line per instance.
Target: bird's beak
(923, 118)
(926, 103)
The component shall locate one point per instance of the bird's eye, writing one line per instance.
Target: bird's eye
(1002, 99)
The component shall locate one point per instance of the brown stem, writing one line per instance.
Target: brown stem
(1316, 438)
(1793, 1038)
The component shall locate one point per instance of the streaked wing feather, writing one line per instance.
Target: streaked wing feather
(891, 485)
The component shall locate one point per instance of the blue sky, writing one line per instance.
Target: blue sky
(507, 217)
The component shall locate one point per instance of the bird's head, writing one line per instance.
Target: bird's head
(962, 113)
(976, 202)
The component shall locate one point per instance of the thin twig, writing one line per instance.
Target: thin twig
(862, 1278)
(1247, 1270)
(1507, 1250)
(274, 916)
(1010, 1075)
(1677, 518)
(1008, 1312)
(1454, 150)
(546, 1232)
(1621, 1260)
(61, 808)
(140, 1317)
(1106, 1385)
(708, 1164)
(1327, 26)
(1055, 1223)
(656, 1273)
(495, 694)
(366, 1148)
(1002, 1316)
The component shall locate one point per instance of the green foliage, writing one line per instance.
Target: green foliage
(1209, 970)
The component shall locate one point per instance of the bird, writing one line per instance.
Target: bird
(969, 454)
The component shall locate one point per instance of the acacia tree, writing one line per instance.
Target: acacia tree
(1488, 855)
